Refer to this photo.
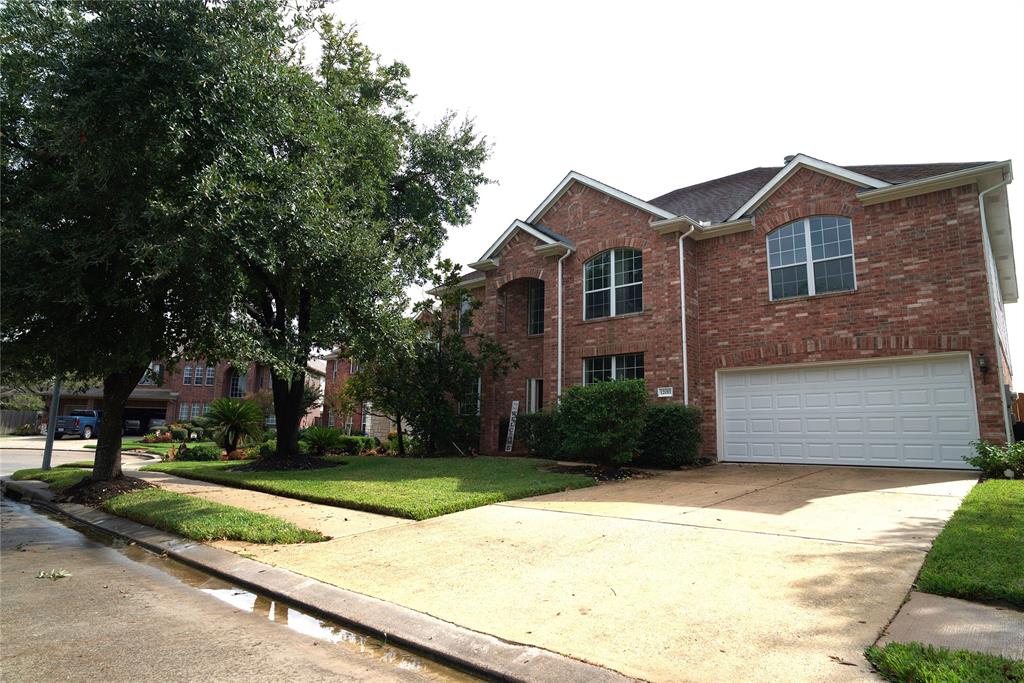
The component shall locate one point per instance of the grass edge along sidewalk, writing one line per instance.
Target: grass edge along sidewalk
(414, 488)
(189, 516)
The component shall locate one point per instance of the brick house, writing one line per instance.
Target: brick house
(186, 391)
(815, 313)
(339, 367)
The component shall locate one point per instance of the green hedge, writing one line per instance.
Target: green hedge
(671, 436)
(603, 422)
(539, 432)
(614, 423)
(200, 452)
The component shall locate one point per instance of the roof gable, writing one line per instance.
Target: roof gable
(574, 177)
(545, 235)
(795, 164)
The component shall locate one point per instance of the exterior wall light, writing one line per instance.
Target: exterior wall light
(983, 365)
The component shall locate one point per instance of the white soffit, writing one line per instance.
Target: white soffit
(509, 232)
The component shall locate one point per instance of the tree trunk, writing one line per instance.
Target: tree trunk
(401, 439)
(117, 387)
(288, 411)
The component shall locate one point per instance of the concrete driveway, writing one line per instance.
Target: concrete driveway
(757, 572)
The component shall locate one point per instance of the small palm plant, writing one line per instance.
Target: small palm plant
(234, 420)
(322, 440)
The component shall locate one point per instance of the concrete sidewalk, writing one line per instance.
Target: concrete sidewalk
(958, 625)
(725, 573)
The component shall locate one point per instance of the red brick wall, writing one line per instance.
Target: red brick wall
(920, 288)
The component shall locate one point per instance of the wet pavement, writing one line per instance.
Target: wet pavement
(127, 614)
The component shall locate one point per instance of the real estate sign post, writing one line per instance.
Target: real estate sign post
(512, 427)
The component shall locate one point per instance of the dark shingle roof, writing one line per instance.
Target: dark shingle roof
(558, 237)
(716, 200)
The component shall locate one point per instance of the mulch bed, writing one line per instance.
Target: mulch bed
(291, 464)
(89, 492)
(601, 473)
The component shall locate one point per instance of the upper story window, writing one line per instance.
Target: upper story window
(613, 284)
(465, 315)
(152, 375)
(187, 376)
(535, 307)
(828, 267)
(604, 368)
(210, 372)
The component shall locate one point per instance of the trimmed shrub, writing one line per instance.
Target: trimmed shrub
(179, 434)
(603, 422)
(322, 440)
(354, 445)
(539, 432)
(200, 452)
(671, 436)
(995, 460)
(268, 449)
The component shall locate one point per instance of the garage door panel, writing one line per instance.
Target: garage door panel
(915, 413)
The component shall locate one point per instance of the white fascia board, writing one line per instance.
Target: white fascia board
(932, 184)
(509, 232)
(573, 176)
(794, 165)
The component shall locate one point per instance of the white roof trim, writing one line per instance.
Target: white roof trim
(509, 232)
(573, 176)
(795, 164)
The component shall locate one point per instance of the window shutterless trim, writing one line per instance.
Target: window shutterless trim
(809, 259)
(612, 287)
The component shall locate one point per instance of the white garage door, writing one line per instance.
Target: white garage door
(904, 413)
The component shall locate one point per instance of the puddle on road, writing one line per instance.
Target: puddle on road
(257, 605)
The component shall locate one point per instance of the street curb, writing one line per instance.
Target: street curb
(472, 651)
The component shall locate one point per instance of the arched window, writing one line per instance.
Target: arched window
(826, 266)
(613, 284)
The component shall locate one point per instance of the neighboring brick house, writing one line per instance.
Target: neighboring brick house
(839, 315)
(363, 421)
(186, 391)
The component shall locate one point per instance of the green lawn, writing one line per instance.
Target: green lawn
(405, 487)
(188, 516)
(917, 663)
(87, 464)
(205, 520)
(59, 478)
(980, 553)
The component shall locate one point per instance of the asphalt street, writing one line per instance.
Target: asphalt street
(125, 614)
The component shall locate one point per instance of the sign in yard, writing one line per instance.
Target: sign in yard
(511, 427)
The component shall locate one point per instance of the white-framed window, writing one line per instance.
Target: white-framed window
(613, 284)
(152, 374)
(534, 395)
(348, 423)
(197, 409)
(199, 375)
(186, 377)
(236, 388)
(604, 368)
(364, 425)
(210, 372)
(270, 421)
(535, 307)
(811, 256)
(470, 403)
(465, 314)
(334, 369)
(183, 411)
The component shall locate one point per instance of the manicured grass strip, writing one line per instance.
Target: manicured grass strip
(980, 553)
(59, 478)
(78, 463)
(917, 663)
(205, 520)
(154, 448)
(416, 488)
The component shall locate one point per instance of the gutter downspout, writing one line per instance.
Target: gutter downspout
(558, 392)
(992, 303)
(682, 314)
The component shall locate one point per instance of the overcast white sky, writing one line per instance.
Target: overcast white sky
(652, 96)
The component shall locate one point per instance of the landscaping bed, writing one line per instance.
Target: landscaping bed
(414, 488)
(980, 553)
(917, 663)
